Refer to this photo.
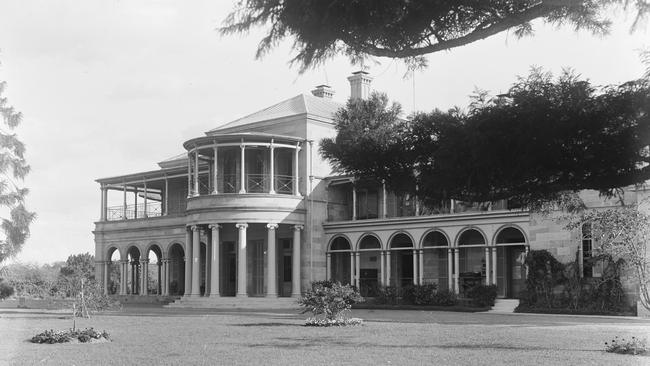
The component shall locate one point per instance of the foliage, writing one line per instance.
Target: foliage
(329, 299)
(13, 168)
(6, 289)
(76, 268)
(427, 294)
(542, 138)
(32, 280)
(420, 294)
(406, 29)
(64, 336)
(621, 232)
(93, 300)
(544, 274)
(387, 295)
(324, 322)
(632, 346)
(483, 295)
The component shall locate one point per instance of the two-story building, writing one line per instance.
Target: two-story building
(250, 209)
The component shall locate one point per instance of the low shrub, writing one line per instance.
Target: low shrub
(329, 299)
(419, 294)
(444, 298)
(388, 295)
(483, 295)
(632, 346)
(6, 289)
(322, 322)
(65, 336)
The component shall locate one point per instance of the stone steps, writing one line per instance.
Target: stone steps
(234, 303)
(504, 306)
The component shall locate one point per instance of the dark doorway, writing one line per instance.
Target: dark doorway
(256, 265)
(285, 269)
(228, 269)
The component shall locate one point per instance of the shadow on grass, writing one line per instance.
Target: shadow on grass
(266, 325)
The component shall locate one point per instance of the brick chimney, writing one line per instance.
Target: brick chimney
(359, 85)
(323, 91)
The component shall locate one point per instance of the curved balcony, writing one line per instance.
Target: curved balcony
(248, 207)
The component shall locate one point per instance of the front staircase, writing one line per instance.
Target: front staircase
(234, 303)
(504, 306)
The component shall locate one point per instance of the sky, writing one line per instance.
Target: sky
(113, 87)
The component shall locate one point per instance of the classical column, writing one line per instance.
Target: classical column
(135, 202)
(102, 215)
(214, 267)
(421, 267)
(416, 201)
(295, 262)
(357, 269)
(452, 206)
(188, 262)
(166, 202)
(197, 192)
(145, 199)
(242, 173)
(122, 264)
(328, 267)
(354, 201)
(144, 268)
(159, 289)
(388, 268)
(272, 168)
(189, 175)
(494, 265)
(456, 271)
(450, 269)
(271, 261)
(196, 258)
(124, 207)
(415, 267)
(296, 171)
(106, 265)
(241, 260)
(526, 249)
(382, 269)
(163, 279)
(208, 264)
(215, 175)
(487, 266)
(384, 206)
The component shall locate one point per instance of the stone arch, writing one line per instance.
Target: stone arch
(432, 231)
(339, 257)
(368, 235)
(337, 237)
(169, 246)
(397, 235)
(176, 268)
(509, 228)
(469, 231)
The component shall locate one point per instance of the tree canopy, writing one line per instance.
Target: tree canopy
(407, 28)
(13, 169)
(544, 137)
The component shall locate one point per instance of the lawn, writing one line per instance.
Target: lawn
(164, 337)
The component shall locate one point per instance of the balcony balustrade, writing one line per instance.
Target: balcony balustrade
(130, 212)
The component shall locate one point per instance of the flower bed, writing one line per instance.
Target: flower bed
(87, 335)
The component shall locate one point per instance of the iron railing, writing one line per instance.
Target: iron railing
(116, 213)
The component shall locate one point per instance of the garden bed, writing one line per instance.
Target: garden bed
(521, 309)
(456, 308)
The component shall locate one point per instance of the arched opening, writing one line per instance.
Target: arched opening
(511, 255)
(133, 269)
(435, 261)
(203, 255)
(114, 278)
(401, 261)
(154, 270)
(176, 270)
(340, 261)
(370, 268)
(472, 260)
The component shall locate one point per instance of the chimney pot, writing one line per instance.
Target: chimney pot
(323, 91)
(359, 85)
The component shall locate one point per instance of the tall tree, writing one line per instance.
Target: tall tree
(543, 138)
(408, 28)
(13, 169)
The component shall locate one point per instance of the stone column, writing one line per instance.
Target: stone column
(135, 202)
(208, 263)
(357, 270)
(188, 262)
(415, 266)
(457, 271)
(384, 206)
(124, 206)
(102, 215)
(354, 201)
(215, 174)
(196, 173)
(163, 280)
(145, 199)
(271, 260)
(388, 268)
(214, 267)
(122, 278)
(494, 265)
(166, 202)
(296, 171)
(382, 265)
(272, 168)
(189, 175)
(450, 269)
(196, 261)
(328, 267)
(295, 262)
(487, 266)
(242, 173)
(421, 267)
(144, 268)
(159, 289)
(241, 261)
(107, 264)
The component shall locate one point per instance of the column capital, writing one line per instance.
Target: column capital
(272, 226)
(195, 228)
(241, 225)
(146, 260)
(298, 227)
(214, 227)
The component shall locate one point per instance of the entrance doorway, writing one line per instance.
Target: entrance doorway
(285, 268)
(256, 265)
(228, 269)
(511, 273)
(401, 267)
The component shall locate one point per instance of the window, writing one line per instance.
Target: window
(590, 268)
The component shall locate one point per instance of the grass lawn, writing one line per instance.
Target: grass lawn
(166, 337)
